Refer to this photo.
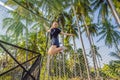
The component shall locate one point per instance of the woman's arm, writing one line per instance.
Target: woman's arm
(46, 28)
(67, 34)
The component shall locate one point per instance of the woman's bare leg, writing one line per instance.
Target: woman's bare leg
(53, 50)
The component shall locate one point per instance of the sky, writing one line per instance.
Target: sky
(3, 13)
(102, 48)
(9, 8)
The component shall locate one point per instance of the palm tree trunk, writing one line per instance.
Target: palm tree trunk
(46, 73)
(63, 55)
(15, 52)
(59, 66)
(83, 48)
(48, 66)
(110, 3)
(92, 49)
(74, 56)
(97, 63)
(26, 42)
(80, 66)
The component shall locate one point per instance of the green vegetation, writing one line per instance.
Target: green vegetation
(26, 27)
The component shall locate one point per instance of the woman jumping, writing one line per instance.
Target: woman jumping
(54, 31)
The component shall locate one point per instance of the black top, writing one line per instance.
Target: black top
(54, 36)
(54, 33)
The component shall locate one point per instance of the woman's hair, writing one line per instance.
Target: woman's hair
(53, 22)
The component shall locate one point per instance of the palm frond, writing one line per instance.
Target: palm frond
(114, 54)
(7, 22)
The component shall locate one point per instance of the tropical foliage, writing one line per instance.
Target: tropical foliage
(90, 20)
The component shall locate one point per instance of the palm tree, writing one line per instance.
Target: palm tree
(81, 61)
(115, 54)
(16, 26)
(80, 37)
(97, 57)
(91, 30)
(9, 39)
(104, 6)
(113, 10)
(69, 28)
(110, 34)
(92, 48)
(83, 13)
(54, 8)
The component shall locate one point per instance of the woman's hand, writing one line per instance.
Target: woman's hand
(71, 34)
(67, 34)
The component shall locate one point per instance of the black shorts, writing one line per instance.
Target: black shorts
(55, 41)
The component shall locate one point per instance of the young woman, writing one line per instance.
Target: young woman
(54, 32)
